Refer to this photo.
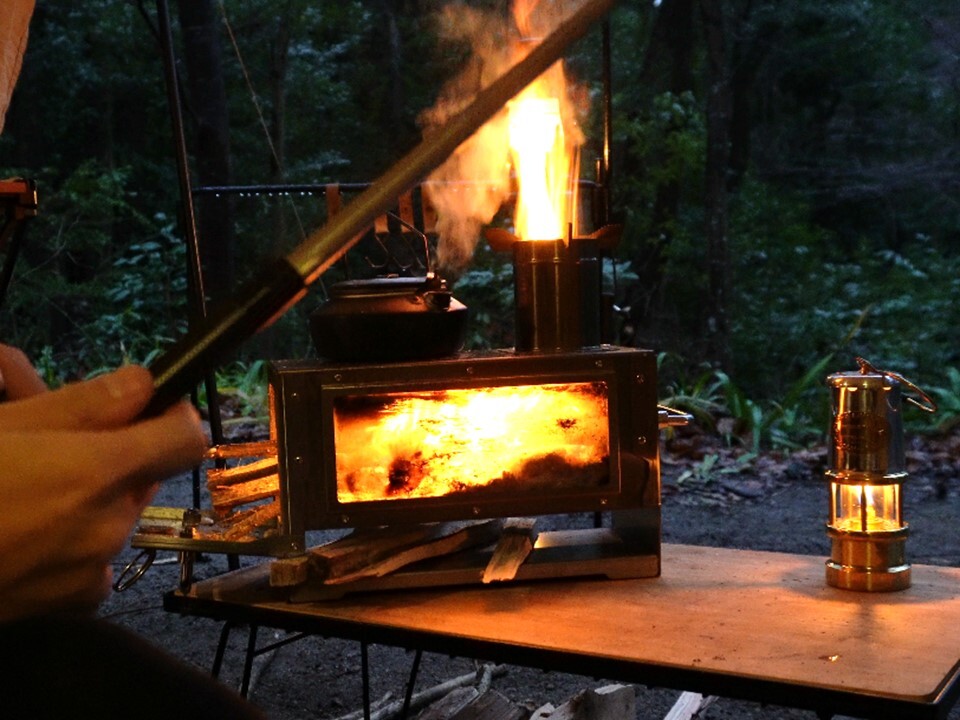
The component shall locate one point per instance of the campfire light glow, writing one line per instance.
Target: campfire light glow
(433, 443)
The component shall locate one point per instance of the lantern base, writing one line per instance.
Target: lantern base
(868, 562)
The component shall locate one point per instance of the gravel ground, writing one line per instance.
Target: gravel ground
(778, 506)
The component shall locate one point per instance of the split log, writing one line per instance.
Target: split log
(383, 553)
(515, 544)
(227, 497)
(227, 451)
(289, 572)
(611, 702)
(689, 706)
(242, 450)
(449, 705)
(259, 518)
(490, 705)
(242, 473)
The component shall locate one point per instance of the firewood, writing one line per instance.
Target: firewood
(611, 702)
(515, 544)
(242, 450)
(261, 517)
(383, 555)
(431, 694)
(689, 706)
(288, 572)
(490, 705)
(226, 497)
(450, 704)
(242, 473)
(353, 551)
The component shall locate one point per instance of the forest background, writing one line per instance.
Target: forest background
(787, 175)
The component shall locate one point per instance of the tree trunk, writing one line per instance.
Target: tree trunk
(715, 200)
(668, 55)
(208, 106)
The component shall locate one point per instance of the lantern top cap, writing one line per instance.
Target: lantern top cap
(868, 376)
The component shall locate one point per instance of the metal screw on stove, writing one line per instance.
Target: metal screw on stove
(469, 370)
(641, 378)
(641, 440)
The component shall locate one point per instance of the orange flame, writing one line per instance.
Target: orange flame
(535, 144)
(866, 508)
(434, 443)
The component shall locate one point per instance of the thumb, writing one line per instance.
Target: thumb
(106, 401)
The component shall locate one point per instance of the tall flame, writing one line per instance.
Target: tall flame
(535, 145)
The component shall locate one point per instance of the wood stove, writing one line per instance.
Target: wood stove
(364, 445)
(479, 435)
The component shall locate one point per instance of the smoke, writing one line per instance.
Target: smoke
(472, 185)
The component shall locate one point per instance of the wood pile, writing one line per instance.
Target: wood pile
(246, 496)
(369, 553)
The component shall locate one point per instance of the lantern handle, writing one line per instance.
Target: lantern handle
(925, 402)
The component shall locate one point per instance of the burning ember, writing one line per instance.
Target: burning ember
(433, 443)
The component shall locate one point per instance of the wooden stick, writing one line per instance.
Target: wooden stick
(478, 534)
(261, 517)
(241, 450)
(227, 497)
(242, 473)
(515, 544)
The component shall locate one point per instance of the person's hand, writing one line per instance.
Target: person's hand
(77, 467)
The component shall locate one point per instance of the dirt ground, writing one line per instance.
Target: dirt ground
(712, 495)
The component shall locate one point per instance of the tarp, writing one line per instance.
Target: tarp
(14, 25)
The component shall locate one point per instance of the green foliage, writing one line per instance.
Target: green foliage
(671, 138)
(719, 405)
(487, 291)
(947, 397)
(98, 284)
(842, 222)
(245, 385)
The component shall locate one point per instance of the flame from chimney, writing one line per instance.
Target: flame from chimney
(533, 145)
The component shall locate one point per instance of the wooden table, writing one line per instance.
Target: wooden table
(751, 625)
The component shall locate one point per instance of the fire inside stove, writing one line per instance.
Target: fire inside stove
(508, 439)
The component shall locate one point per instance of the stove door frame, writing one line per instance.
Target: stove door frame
(303, 395)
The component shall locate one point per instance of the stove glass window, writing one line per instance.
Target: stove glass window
(504, 440)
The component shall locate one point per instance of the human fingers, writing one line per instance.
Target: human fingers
(136, 456)
(106, 401)
(75, 588)
(18, 377)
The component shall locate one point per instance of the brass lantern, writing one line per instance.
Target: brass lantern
(866, 470)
